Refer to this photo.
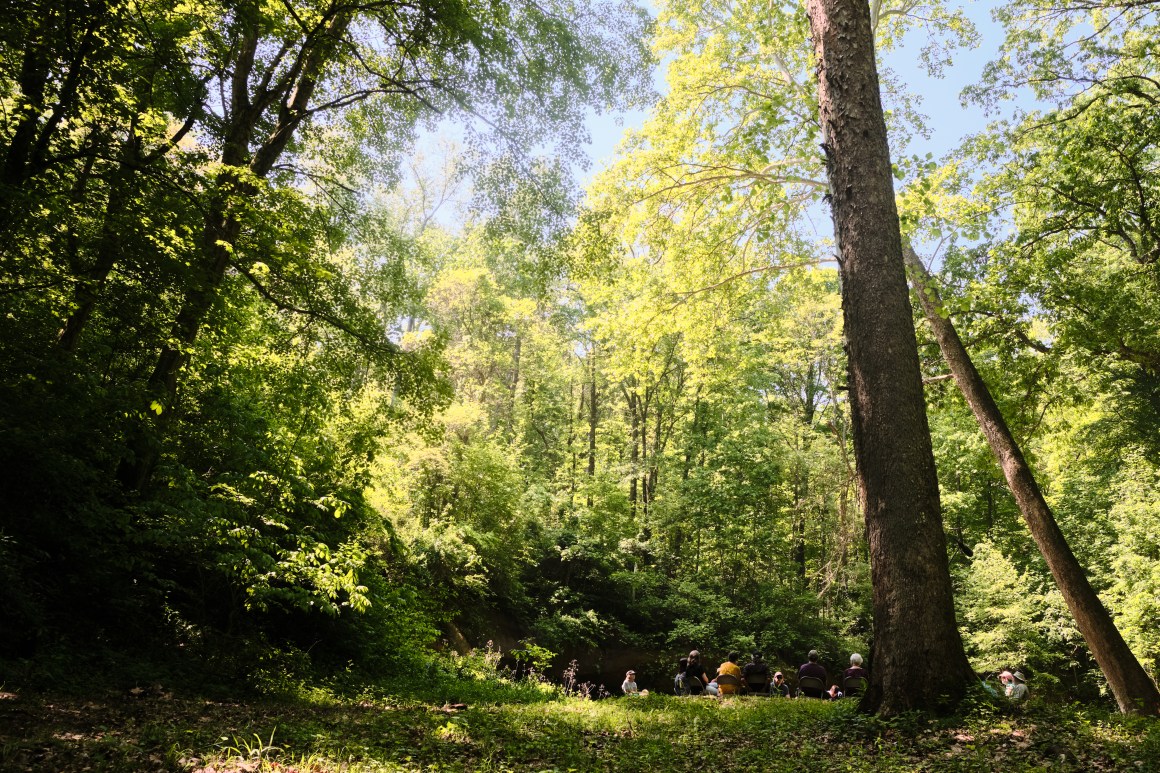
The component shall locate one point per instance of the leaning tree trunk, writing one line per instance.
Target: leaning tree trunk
(1133, 689)
(918, 659)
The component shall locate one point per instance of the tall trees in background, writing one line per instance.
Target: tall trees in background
(346, 417)
(201, 329)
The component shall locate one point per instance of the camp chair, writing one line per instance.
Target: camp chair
(687, 685)
(854, 685)
(811, 686)
(758, 684)
(728, 680)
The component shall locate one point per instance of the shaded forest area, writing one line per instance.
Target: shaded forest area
(290, 393)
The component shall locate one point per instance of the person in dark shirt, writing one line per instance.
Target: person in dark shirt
(756, 668)
(855, 679)
(855, 668)
(812, 668)
(779, 686)
(696, 670)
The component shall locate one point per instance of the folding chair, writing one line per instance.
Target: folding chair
(758, 684)
(687, 685)
(854, 685)
(811, 686)
(728, 680)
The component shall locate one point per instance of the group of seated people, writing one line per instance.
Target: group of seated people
(1012, 686)
(754, 678)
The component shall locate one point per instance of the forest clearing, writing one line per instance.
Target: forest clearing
(375, 372)
(322, 734)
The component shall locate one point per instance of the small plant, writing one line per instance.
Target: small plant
(533, 659)
(255, 751)
(575, 689)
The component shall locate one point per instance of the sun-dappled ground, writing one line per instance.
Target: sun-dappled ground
(150, 730)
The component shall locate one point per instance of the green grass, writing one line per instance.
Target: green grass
(318, 731)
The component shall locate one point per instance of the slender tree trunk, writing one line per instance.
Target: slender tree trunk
(513, 387)
(1133, 689)
(29, 109)
(592, 419)
(800, 484)
(108, 247)
(919, 661)
(634, 453)
(659, 441)
(640, 464)
(572, 418)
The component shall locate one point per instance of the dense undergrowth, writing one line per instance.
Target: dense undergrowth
(444, 720)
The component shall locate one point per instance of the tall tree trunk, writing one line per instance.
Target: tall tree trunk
(28, 110)
(800, 486)
(1133, 689)
(919, 661)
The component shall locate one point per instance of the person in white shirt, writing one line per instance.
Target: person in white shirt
(629, 686)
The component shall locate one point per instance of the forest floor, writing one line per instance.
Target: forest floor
(149, 730)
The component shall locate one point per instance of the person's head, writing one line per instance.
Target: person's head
(732, 658)
(757, 656)
(630, 676)
(1005, 677)
(813, 656)
(855, 660)
(833, 689)
(695, 656)
(1018, 676)
(683, 663)
(778, 677)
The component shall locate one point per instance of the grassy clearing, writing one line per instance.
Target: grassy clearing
(320, 732)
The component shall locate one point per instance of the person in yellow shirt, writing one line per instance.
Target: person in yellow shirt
(730, 667)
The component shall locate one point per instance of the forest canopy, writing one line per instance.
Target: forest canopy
(290, 385)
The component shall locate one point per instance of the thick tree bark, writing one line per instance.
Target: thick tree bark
(1133, 689)
(918, 659)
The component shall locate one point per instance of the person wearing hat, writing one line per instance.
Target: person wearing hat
(630, 684)
(756, 671)
(1017, 688)
(779, 686)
